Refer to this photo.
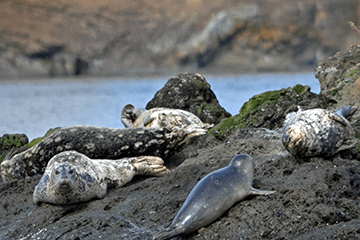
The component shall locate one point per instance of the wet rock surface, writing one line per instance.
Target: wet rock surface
(314, 198)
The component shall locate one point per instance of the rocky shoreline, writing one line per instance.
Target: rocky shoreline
(147, 38)
(316, 198)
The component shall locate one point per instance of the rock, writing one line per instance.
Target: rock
(269, 109)
(190, 92)
(9, 141)
(339, 78)
(313, 199)
(108, 38)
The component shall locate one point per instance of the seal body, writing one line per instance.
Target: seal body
(158, 117)
(317, 132)
(100, 143)
(213, 195)
(72, 177)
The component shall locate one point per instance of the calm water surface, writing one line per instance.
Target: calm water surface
(33, 107)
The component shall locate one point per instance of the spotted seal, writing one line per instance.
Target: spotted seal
(317, 132)
(158, 117)
(100, 143)
(213, 195)
(72, 177)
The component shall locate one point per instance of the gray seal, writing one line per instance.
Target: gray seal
(72, 177)
(213, 195)
(99, 143)
(158, 117)
(317, 132)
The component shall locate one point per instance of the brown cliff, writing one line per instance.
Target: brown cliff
(107, 38)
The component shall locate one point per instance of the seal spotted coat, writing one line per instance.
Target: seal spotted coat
(158, 117)
(99, 143)
(317, 132)
(213, 195)
(72, 177)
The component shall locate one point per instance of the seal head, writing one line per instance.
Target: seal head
(70, 177)
(213, 195)
(158, 117)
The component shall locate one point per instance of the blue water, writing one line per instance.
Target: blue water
(33, 107)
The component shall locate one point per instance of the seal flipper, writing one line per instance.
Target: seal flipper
(167, 233)
(254, 191)
(150, 166)
(347, 111)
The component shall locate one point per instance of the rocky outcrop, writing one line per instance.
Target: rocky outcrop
(316, 198)
(106, 38)
(339, 78)
(190, 92)
(269, 109)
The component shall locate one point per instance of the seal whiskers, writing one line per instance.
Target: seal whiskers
(213, 195)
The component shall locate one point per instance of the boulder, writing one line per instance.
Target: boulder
(190, 92)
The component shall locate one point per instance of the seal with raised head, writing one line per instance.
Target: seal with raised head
(158, 117)
(72, 177)
(213, 195)
(99, 143)
(318, 132)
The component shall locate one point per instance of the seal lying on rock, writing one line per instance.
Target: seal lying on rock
(213, 195)
(158, 117)
(100, 143)
(72, 177)
(317, 132)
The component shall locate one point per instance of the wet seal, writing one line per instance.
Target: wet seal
(213, 195)
(318, 132)
(72, 177)
(99, 143)
(159, 117)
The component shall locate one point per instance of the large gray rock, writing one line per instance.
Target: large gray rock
(190, 92)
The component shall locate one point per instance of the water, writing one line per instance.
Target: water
(33, 107)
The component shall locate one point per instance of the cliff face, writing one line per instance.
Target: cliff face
(64, 38)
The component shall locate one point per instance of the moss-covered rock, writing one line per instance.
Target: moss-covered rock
(269, 109)
(19, 142)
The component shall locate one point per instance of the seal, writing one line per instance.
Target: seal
(100, 143)
(318, 132)
(158, 117)
(213, 195)
(72, 177)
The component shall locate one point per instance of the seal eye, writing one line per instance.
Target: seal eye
(71, 172)
(57, 172)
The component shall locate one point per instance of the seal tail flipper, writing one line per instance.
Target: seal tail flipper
(167, 234)
(347, 111)
(254, 191)
(150, 166)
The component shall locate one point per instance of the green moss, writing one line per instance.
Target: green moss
(299, 89)
(254, 111)
(22, 148)
(37, 140)
(352, 73)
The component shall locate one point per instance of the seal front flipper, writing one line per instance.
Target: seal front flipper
(149, 166)
(254, 191)
(347, 111)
